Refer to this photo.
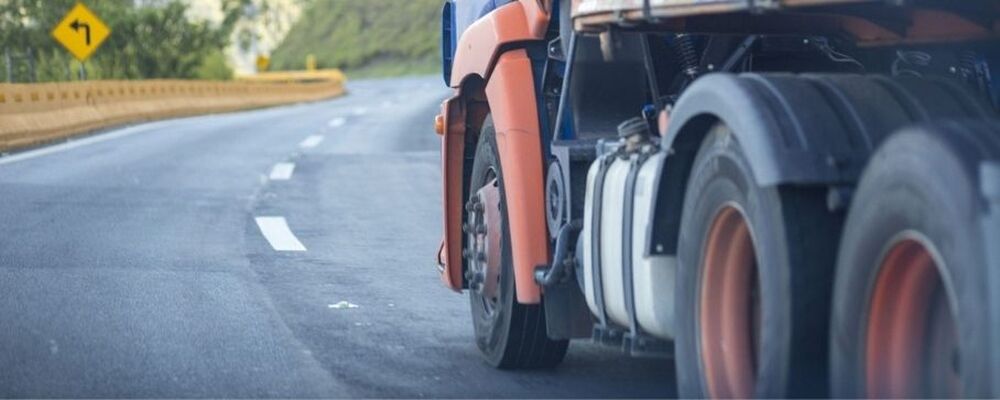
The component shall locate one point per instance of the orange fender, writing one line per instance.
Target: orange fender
(451, 126)
(479, 47)
(511, 96)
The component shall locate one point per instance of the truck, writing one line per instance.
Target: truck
(786, 198)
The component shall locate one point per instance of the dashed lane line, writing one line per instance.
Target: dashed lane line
(311, 142)
(337, 122)
(278, 234)
(282, 171)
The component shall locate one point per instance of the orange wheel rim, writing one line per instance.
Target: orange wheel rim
(729, 312)
(911, 343)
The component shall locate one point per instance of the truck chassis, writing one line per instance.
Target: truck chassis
(788, 197)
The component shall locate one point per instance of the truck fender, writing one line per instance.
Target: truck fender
(511, 95)
(482, 43)
(510, 92)
(795, 129)
(451, 125)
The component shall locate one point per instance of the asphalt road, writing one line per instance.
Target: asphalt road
(134, 263)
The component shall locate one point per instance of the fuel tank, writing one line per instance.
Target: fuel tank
(652, 283)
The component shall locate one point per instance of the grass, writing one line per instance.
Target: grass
(397, 68)
(365, 38)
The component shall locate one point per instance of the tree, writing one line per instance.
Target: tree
(152, 39)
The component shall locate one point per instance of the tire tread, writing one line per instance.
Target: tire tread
(526, 344)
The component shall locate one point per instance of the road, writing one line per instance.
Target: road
(145, 262)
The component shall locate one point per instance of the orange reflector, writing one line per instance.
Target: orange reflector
(439, 124)
(663, 121)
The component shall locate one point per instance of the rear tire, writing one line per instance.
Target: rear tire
(912, 301)
(509, 334)
(755, 268)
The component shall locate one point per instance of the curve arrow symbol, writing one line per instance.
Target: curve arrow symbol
(76, 25)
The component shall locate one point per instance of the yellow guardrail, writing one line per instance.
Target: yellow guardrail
(294, 76)
(33, 114)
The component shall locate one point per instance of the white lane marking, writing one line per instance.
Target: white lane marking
(311, 142)
(337, 122)
(278, 234)
(360, 111)
(343, 304)
(74, 143)
(282, 171)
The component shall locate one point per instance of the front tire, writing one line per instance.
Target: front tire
(755, 267)
(510, 335)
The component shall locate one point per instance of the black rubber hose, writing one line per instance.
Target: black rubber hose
(560, 267)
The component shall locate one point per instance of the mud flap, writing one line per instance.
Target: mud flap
(566, 312)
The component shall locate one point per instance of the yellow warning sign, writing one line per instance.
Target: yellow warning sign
(263, 62)
(81, 32)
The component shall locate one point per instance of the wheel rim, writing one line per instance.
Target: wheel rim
(485, 241)
(729, 311)
(911, 341)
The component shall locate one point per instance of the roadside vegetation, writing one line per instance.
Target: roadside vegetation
(365, 37)
(150, 39)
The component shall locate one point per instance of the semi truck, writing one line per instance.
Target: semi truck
(785, 198)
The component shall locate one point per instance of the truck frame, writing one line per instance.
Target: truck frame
(789, 198)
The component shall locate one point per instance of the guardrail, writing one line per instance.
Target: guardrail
(294, 76)
(33, 114)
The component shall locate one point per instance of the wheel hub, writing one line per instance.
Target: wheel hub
(911, 340)
(729, 311)
(484, 241)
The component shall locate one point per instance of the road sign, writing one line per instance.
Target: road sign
(263, 62)
(81, 32)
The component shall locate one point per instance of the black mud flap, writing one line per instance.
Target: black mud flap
(566, 313)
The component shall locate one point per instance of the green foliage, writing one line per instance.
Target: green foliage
(154, 41)
(214, 67)
(368, 37)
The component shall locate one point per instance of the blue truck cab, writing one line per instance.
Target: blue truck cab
(456, 17)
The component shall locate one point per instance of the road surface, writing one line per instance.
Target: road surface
(285, 252)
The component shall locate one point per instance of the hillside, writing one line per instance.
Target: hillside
(365, 37)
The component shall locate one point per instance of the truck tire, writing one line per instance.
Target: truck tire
(912, 301)
(509, 334)
(755, 267)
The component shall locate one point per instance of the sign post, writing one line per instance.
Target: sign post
(310, 62)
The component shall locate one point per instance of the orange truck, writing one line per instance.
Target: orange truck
(787, 198)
